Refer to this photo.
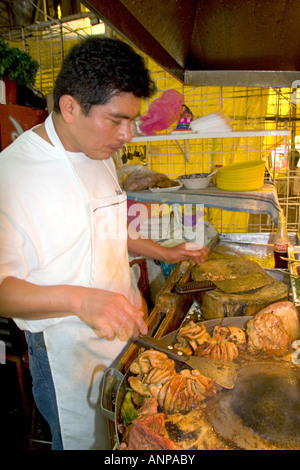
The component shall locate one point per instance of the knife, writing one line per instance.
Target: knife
(194, 286)
(213, 243)
(223, 373)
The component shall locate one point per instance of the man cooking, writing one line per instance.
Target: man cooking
(65, 279)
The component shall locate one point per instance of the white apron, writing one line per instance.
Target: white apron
(76, 354)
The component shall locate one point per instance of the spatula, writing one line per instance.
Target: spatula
(223, 373)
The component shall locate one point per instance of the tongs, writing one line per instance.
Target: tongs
(292, 260)
(223, 373)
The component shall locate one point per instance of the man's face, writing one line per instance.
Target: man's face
(106, 127)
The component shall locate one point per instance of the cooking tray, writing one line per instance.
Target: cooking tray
(115, 384)
(230, 421)
(294, 267)
(258, 247)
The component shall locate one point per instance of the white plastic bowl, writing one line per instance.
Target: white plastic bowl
(196, 181)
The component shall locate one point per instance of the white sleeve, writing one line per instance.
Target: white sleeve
(17, 254)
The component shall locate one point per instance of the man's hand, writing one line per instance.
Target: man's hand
(172, 255)
(108, 313)
(111, 315)
(181, 252)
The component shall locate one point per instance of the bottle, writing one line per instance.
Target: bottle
(281, 243)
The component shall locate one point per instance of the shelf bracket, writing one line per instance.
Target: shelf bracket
(185, 154)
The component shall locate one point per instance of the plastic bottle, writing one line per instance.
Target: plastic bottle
(281, 244)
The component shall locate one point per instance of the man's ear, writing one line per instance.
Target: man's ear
(69, 108)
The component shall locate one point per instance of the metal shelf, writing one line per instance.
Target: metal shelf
(176, 137)
(208, 135)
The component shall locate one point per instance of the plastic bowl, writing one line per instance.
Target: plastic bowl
(196, 181)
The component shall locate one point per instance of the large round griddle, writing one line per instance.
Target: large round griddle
(263, 410)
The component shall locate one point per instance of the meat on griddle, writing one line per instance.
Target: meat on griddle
(149, 433)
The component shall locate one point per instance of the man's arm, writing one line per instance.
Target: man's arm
(150, 249)
(22, 299)
(108, 313)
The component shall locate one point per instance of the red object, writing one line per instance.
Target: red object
(162, 112)
(15, 119)
(149, 433)
(280, 263)
(11, 90)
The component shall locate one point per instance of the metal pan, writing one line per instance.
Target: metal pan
(112, 390)
(115, 384)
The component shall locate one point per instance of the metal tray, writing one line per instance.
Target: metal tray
(294, 253)
(255, 246)
(259, 248)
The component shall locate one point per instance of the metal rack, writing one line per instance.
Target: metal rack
(49, 41)
(208, 135)
(190, 163)
(274, 112)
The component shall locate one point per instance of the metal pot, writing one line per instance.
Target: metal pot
(113, 388)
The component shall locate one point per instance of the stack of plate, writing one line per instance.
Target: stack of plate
(244, 176)
(214, 122)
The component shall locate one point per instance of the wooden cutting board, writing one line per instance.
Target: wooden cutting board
(252, 292)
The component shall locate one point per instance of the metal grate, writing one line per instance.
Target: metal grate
(48, 42)
(249, 108)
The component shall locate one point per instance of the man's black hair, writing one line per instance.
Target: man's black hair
(98, 68)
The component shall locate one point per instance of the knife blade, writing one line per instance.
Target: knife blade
(223, 373)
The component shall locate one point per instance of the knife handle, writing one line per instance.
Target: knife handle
(194, 286)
